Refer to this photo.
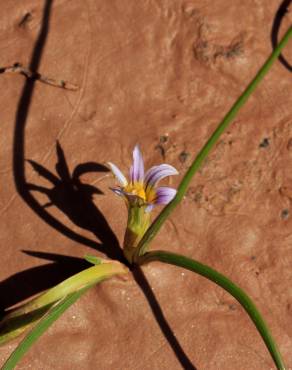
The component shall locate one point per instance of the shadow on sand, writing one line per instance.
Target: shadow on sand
(73, 198)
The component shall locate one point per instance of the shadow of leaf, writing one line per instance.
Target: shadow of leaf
(281, 12)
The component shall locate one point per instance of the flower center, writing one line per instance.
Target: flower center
(136, 188)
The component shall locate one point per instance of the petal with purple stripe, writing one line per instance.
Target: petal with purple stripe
(118, 191)
(137, 169)
(158, 173)
(164, 195)
(132, 198)
(118, 174)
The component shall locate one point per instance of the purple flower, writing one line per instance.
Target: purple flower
(141, 188)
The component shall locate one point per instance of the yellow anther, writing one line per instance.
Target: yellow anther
(136, 189)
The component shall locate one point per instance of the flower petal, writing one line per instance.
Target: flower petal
(137, 169)
(133, 199)
(118, 174)
(118, 191)
(149, 208)
(164, 195)
(157, 173)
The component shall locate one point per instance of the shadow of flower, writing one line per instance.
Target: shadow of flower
(75, 200)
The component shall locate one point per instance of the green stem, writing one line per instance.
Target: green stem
(158, 222)
(229, 286)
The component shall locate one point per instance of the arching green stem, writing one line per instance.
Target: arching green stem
(229, 286)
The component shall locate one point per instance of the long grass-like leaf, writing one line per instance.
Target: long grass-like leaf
(53, 314)
(164, 214)
(94, 274)
(20, 319)
(229, 286)
(15, 326)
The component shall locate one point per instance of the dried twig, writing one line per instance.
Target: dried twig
(18, 68)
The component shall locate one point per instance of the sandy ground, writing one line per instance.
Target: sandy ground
(161, 74)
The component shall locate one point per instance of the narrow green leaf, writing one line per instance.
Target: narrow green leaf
(53, 314)
(164, 214)
(93, 259)
(91, 275)
(229, 286)
(20, 319)
(14, 326)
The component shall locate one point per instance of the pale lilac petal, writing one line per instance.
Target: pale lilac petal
(149, 208)
(118, 174)
(158, 173)
(137, 169)
(117, 191)
(164, 195)
(132, 198)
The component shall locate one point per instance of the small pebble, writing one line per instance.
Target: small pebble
(163, 139)
(265, 143)
(183, 156)
(285, 214)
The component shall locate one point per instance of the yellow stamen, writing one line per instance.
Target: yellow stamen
(150, 194)
(138, 188)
